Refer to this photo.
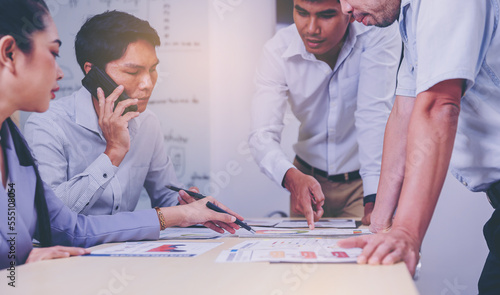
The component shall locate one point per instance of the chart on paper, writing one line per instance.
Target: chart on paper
(307, 250)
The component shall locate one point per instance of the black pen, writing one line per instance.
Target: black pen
(212, 206)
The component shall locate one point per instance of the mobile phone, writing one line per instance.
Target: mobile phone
(98, 78)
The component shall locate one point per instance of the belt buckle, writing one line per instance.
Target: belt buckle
(346, 176)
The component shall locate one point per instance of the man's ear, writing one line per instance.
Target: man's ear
(86, 67)
(8, 51)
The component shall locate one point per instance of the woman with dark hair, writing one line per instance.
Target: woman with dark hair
(29, 45)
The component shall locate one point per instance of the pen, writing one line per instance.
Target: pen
(192, 194)
(212, 206)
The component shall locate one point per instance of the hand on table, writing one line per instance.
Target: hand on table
(38, 254)
(386, 248)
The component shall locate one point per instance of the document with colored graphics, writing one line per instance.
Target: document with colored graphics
(156, 249)
(268, 232)
(322, 223)
(307, 250)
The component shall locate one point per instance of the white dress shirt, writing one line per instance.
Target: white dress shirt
(69, 146)
(343, 112)
(461, 42)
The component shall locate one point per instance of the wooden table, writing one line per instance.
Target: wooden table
(202, 275)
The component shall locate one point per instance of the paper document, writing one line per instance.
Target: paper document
(189, 233)
(162, 249)
(322, 223)
(262, 222)
(266, 232)
(306, 250)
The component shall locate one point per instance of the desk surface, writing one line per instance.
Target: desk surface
(202, 275)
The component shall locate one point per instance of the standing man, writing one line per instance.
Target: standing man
(450, 70)
(339, 79)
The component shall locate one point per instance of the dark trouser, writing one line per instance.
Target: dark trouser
(489, 282)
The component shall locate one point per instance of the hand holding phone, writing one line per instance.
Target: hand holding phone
(98, 78)
(113, 125)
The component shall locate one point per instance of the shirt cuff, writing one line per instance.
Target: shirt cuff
(406, 92)
(275, 166)
(369, 199)
(280, 171)
(102, 170)
(370, 185)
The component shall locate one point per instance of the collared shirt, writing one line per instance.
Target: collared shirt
(69, 147)
(67, 227)
(343, 112)
(446, 40)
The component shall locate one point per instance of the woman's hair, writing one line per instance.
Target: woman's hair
(20, 19)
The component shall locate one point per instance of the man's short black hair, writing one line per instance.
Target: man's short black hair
(105, 37)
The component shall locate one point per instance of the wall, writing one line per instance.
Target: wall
(454, 250)
(236, 179)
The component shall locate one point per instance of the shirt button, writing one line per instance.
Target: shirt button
(464, 183)
(116, 208)
(105, 175)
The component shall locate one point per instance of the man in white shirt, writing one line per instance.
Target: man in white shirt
(447, 101)
(339, 78)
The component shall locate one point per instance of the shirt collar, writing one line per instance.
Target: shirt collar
(405, 2)
(404, 5)
(86, 116)
(14, 140)
(5, 136)
(297, 46)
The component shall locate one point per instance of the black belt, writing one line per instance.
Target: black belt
(344, 177)
(493, 194)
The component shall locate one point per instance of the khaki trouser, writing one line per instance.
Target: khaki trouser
(342, 199)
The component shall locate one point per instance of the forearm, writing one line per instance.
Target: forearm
(430, 143)
(393, 161)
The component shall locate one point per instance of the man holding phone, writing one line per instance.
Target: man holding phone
(94, 156)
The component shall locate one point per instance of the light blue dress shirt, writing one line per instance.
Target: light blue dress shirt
(69, 147)
(342, 111)
(68, 228)
(450, 39)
